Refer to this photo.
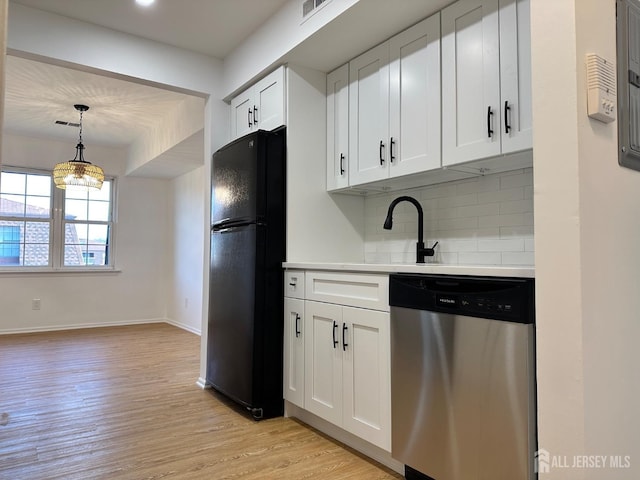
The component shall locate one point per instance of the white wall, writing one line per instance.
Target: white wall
(59, 40)
(478, 221)
(320, 227)
(71, 300)
(587, 226)
(275, 38)
(186, 236)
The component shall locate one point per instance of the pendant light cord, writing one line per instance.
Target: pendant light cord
(81, 112)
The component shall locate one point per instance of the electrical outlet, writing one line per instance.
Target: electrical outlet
(35, 304)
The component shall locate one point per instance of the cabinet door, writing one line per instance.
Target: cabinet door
(366, 371)
(515, 75)
(294, 351)
(471, 113)
(414, 89)
(241, 114)
(269, 101)
(369, 116)
(323, 361)
(338, 128)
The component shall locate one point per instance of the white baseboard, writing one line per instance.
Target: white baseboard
(202, 383)
(362, 446)
(188, 328)
(54, 328)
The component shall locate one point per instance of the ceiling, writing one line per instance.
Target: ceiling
(212, 27)
(38, 94)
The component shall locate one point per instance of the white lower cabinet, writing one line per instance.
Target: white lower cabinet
(347, 378)
(294, 351)
(340, 371)
(294, 337)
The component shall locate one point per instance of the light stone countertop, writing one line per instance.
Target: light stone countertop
(427, 268)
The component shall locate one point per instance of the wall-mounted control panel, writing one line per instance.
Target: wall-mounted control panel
(601, 89)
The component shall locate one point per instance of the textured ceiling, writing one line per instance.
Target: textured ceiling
(212, 27)
(38, 94)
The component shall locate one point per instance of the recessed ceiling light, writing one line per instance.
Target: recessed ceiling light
(145, 3)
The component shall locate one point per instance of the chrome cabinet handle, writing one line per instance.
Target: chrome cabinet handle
(255, 110)
(249, 118)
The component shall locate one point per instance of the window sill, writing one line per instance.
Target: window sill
(60, 271)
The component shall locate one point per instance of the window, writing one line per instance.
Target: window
(43, 226)
(9, 245)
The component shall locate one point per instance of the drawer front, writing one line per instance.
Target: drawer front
(294, 284)
(351, 289)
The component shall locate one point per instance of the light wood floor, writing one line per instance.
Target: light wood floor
(121, 403)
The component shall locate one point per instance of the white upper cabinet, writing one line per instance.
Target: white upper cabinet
(369, 115)
(394, 106)
(260, 106)
(242, 114)
(515, 75)
(486, 79)
(414, 103)
(338, 128)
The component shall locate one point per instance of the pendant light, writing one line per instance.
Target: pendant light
(78, 173)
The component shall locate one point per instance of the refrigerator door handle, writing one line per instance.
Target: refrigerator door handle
(219, 222)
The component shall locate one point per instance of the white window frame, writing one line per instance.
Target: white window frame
(57, 227)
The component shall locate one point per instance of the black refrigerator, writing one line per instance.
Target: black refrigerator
(245, 328)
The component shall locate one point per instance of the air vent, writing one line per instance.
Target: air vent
(309, 6)
(69, 124)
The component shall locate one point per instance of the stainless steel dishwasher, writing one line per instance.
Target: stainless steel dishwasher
(462, 376)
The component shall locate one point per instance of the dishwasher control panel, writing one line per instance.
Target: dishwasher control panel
(509, 299)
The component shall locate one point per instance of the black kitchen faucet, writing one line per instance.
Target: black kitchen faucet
(421, 252)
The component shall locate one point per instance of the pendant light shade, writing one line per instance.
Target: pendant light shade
(78, 173)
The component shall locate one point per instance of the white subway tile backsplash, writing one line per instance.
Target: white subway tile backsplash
(528, 244)
(479, 210)
(517, 258)
(444, 190)
(524, 231)
(511, 245)
(481, 221)
(506, 195)
(456, 223)
(511, 181)
(516, 206)
(456, 201)
(478, 258)
(450, 246)
(488, 183)
(528, 192)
